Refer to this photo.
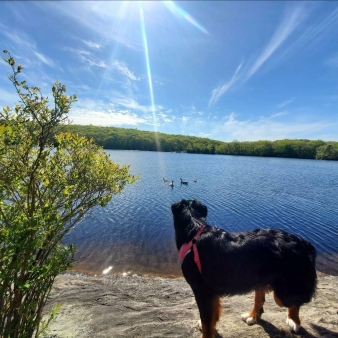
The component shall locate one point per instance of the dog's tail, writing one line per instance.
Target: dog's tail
(298, 284)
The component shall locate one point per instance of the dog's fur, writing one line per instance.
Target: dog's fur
(238, 263)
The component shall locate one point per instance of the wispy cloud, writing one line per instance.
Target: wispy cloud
(283, 31)
(131, 104)
(24, 42)
(44, 59)
(26, 52)
(123, 69)
(91, 44)
(316, 29)
(164, 117)
(218, 92)
(281, 113)
(290, 21)
(284, 103)
(311, 34)
(87, 57)
(97, 17)
(18, 38)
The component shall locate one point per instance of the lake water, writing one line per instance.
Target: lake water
(134, 233)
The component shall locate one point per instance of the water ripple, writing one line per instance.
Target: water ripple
(134, 232)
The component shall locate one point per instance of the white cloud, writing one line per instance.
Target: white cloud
(286, 27)
(19, 38)
(87, 57)
(44, 59)
(310, 35)
(282, 113)
(221, 90)
(164, 117)
(267, 129)
(110, 117)
(123, 69)
(285, 103)
(91, 44)
(122, 112)
(316, 29)
(131, 104)
(26, 46)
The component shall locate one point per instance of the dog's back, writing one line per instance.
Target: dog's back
(237, 263)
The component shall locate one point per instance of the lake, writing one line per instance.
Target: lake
(134, 233)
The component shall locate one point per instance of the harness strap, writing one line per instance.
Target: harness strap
(186, 248)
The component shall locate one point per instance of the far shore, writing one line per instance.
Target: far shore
(117, 306)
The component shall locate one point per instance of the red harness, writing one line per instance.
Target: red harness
(186, 248)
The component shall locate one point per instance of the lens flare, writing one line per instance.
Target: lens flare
(150, 82)
(105, 271)
(176, 10)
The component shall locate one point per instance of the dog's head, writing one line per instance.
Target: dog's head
(189, 208)
(189, 216)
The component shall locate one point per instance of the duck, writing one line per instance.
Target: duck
(171, 183)
(183, 182)
(164, 179)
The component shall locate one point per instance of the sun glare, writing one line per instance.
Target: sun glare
(178, 11)
(150, 82)
(126, 14)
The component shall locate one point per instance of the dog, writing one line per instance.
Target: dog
(217, 263)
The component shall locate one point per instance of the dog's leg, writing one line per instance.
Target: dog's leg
(251, 317)
(277, 300)
(292, 319)
(210, 309)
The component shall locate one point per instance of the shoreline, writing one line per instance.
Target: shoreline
(117, 305)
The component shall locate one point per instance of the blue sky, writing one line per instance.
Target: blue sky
(224, 70)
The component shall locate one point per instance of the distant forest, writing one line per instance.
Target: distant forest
(133, 139)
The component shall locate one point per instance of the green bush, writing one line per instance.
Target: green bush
(44, 192)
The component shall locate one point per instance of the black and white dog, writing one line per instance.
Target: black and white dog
(217, 263)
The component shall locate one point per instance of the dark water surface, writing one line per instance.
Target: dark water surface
(134, 233)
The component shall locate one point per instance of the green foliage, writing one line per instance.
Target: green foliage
(133, 139)
(44, 192)
(328, 151)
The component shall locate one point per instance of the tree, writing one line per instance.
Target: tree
(44, 192)
(328, 151)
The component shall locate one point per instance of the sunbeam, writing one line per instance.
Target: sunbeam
(179, 11)
(150, 82)
(122, 9)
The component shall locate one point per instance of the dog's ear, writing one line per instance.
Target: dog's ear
(200, 208)
(176, 208)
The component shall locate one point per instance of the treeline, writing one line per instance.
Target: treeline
(133, 139)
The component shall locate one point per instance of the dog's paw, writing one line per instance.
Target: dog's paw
(248, 319)
(294, 327)
(199, 325)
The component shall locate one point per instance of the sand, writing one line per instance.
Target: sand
(140, 306)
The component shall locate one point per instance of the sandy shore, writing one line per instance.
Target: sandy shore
(134, 306)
